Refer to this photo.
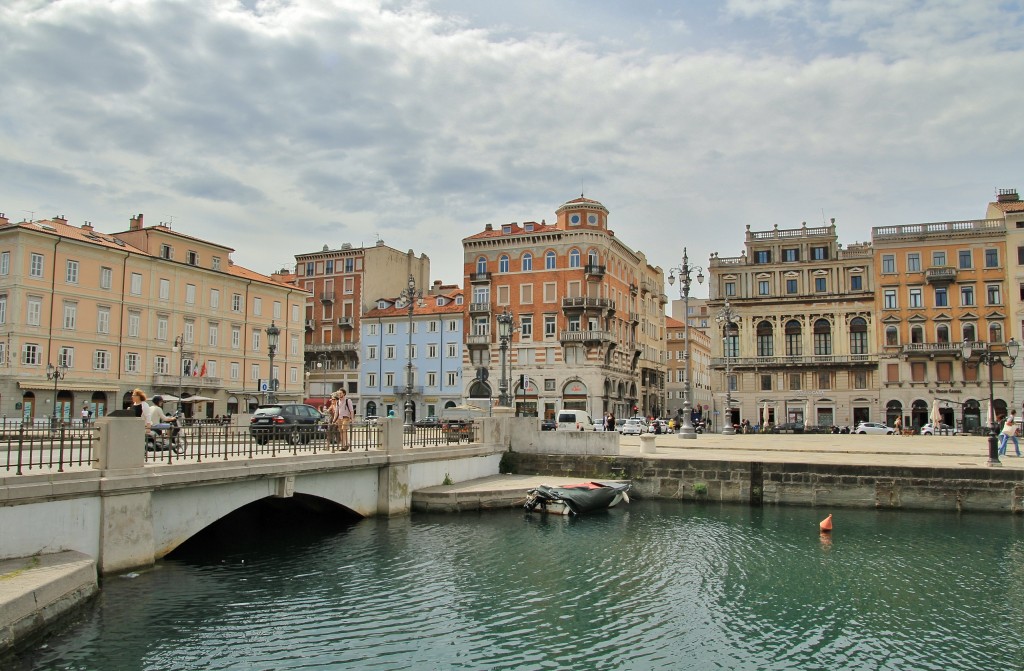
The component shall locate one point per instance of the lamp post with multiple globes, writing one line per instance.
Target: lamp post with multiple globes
(683, 272)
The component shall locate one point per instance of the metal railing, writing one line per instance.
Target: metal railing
(449, 433)
(29, 447)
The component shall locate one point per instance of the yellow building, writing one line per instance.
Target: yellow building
(700, 373)
(108, 310)
(939, 284)
(1010, 209)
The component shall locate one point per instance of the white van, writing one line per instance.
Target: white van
(575, 420)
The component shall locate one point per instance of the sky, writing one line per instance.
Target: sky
(279, 126)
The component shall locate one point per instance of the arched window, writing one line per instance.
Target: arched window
(592, 258)
(481, 264)
(995, 332)
(858, 336)
(969, 333)
(503, 264)
(574, 258)
(764, 339)
(942, 333)
(822, 338)
(549, 261)
(794, 336)
(527, 261)
(917, 333)
(892, 336)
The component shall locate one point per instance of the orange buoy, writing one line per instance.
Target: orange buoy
(826, 524)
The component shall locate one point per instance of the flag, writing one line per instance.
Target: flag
(202, 371)
(195, 371)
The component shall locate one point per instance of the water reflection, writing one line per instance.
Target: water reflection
(655, 585)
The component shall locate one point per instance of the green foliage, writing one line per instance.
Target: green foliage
(700, 489)
(447, 480)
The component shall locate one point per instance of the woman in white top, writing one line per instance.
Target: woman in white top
(344, 413)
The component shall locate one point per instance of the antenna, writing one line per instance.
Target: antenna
(582, 190)
(31, 215)
(823, 216)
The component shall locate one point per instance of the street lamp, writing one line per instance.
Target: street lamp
(504, 337)
(977, 353)
(273, 335)
(179, 347)
(686, 430)
(409, 295)
(56, 374)
(321, 362)
(727, 318)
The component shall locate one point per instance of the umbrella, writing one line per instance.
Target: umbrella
(936, 416)
(991, 418)
(807, 412)
(196, 399)
(764, 414)
(168, 397)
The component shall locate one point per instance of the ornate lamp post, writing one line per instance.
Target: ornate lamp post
(273, 335)
(686, 431)
(977, 353)
(504, 337)
(321, 362)
(409, 295)
(56, 374)
(727, 318)
(179, 347)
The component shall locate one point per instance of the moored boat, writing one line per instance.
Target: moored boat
(578, 498)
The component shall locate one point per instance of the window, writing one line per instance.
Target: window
(762, 256)
(794, 346)
(892, 336)
(888, 263)
(503, 263)
(432, 351)
(3, 308)
(766, 383)
(106, 277)
(941, 297)
(451, 350)
(235, 370)
(889, 299)
(969, 333)
(101, 360)
(964, 258)
(190, 294)
(892, 372)
(136, 284)
(236, 303)
(916, 301)
(860, 380)
(349, 265)
(390, 328)
(371, 379)
(389, 352)
(216, 266)
(527, 263)
(236, 337)
(991, 258)
(214, 298)
(819, 253)
(254, 371)
(856, 283)
(66, 357)
(371, 352)
(389, 379)
(822, 338)
(819, 284)
(574, 258)
(549, 261)
(481, 265)
(431, 379)
(503, 295)
(791, 287)
(549, 326)
(191, 258)
(995, 332)
(917, 334)
(166, 252)
(213, 334)
(165, 289)
(733, 383)
(70, 315)
(762, 287)
(917, 371)
(33, 310)
(257, 306)
(103, 320)
(256, 339)
(525, 293)
(525, 327)
(942, 334)
(5, 263)
(131, 362)
(795, 381)
(30, 354)
(824, 380)
(71, 272)
(939, 259)
(453, 325)
(452, 379)
(480, 295)
(858, 336)
(161, 328)
(914, 262)
(730, 288)
(993, 294)
(732, 341)
(550, 292)
(35, 265)
(966, 295)
(134, 323)
(1020, 258)
(790, 254)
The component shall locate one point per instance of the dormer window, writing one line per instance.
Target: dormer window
(166, 252)
(192, 258)
(216, 263)
(506, 229)
(440, 301)
(382, 304)
(458, 300)
(528, 228)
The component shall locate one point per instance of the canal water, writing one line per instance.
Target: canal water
(651, 585)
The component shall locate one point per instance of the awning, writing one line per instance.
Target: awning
(62, 386)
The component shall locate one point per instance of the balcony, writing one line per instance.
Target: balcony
(930, 349)
(333, 347)
(399, 389)
(585, 336)
(594, 271)
(785, 361)
(581, 303)
(633, 289)
(327, 296)
(634, 317)
(188, 381)
(941, 275)
(310, 324)
(345, 322)
(479, 278)
(480, 307)
(479, 339)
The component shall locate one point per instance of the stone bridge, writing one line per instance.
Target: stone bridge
(126, 513)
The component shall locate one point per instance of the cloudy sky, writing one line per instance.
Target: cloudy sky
(278, 126)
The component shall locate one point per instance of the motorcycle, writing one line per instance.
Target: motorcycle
(171, 438)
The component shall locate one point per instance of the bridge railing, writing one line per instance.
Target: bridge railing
(447, 433)
(27, 447)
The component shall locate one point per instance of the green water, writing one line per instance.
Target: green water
(654, 585)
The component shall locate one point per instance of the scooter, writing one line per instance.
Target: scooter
(170, 438)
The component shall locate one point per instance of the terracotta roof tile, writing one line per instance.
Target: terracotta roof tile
(430, 308)
(517, 229)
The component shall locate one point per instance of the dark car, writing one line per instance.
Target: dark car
(789, 427)
(295, 422)
(428, 421)
(548, 425)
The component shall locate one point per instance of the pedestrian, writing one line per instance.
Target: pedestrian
(1009, 431)
(609, 424)
(85, 415)
(344, 413)
(897, 427)
(140, 406)
(331, 420)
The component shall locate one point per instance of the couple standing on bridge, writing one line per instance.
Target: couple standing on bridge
(339, 413)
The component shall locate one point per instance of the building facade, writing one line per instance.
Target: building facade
(939, 284)
(437, 341)
(344, 284)
(703, 401)
(590, 313)
(148, 307)
(802, 345)
(1009, 207)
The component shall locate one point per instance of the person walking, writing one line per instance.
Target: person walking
(1009, 431)
(344, 413)
(897, 427)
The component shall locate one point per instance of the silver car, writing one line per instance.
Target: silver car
(874, 428)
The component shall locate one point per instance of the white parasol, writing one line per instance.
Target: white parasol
(764, 414)
(196, 399)
(936, 416)
(807, 412)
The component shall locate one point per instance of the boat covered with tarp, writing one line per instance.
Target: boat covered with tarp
(576, 499)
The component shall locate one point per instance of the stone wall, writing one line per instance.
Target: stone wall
(757, 483)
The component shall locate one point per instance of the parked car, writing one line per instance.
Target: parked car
(295, 422)
(575, 420)
(873, 428)
(548, 425)
(942, 430)
(788, 427)
(428, 421)
(371, 419)
(632, 427)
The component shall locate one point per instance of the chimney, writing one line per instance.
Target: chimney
(1007, 196)
(136, 223)
(3, 219)
(87, 226)
(61, 218)
(488, 227)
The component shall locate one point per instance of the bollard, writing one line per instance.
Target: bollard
(647, 445)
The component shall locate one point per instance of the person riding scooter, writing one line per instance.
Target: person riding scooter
(159, 421)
